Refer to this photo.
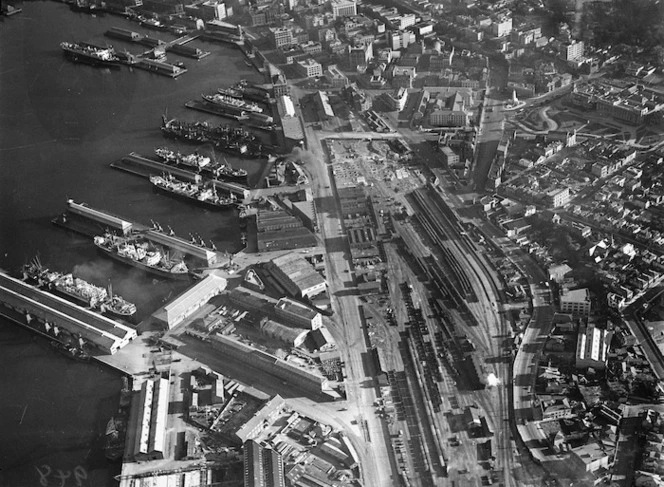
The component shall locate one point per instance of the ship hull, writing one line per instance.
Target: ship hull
(90, 60)
(182, 276)
(73, 297)
(204, 204)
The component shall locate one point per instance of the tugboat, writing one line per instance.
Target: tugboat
(116, 305)
(194, 192)
(140, 252)
(71, 351)
(114, 440)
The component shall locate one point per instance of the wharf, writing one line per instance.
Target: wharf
(144, 167)
(89, 221)
(160, 67)
(58, 318)
(177, 46)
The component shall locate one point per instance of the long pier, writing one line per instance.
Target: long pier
(144, 167)
(177, 46)
(56, 318)
(90, 221)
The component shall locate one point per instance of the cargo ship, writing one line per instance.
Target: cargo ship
(232, 102)
(202, 164)
(77, 290)
(193, 192)
(244, 90)
(224, 137)
(195, 161)
(86, 53)
(141, 253)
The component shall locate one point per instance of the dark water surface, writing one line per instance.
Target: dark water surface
(61, 125)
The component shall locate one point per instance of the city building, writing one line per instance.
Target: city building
(310, 68)
(282, 36)
(335, 77)
(450, 158)
(558, 272)
(360, 55)
(177, 310)
(450, 113)
(571, 51)
(323, 106)
(344, 8)
(592, 347)
(148, 428)
(297, 314)
(263, 467)
(576, 301)
(263, 418)
(591, 457)
(502, 27)
(558, 197)
(397, 99)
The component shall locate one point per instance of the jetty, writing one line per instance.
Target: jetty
(88, 221)
(138, 165)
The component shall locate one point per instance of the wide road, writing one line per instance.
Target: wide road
(492, 124)
(347, 327)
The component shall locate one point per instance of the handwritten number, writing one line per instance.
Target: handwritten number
(80, 475)
(43, 480)
(63, 475)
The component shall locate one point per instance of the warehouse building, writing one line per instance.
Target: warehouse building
(263, 467)
(297, 314)
(292, 336)
(297, 275)
(176, 311)
(148, 421)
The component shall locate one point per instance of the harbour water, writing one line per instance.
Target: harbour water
(61, 125)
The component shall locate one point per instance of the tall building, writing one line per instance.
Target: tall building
(310, 68)
(263, 467)
(344, 8)
(282, 36)
(576, 301)
(502, 27)
(571, 51)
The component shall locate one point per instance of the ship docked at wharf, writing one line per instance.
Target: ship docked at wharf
(232, 102)
(89, 54)
(198, 193)
(77, 290)
(244, 90)
(139, 252)
(202, 164)
(224, 137)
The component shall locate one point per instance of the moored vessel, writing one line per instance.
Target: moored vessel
(77, 290)
(139, 252)
(193, 192)
(89, 54)
(224, 137)
(232, 102)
